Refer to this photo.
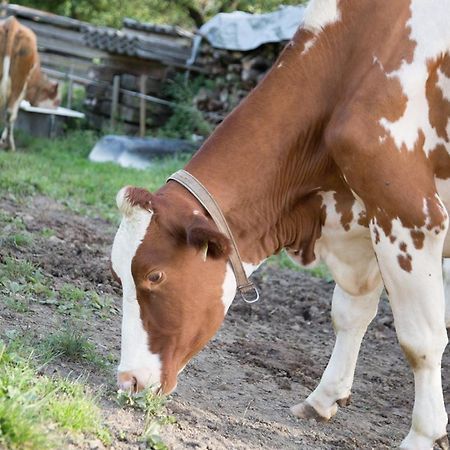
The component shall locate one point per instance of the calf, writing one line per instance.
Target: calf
(21, 76)
(340, 154)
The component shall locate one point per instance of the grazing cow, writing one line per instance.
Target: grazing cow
(341, 154)
(21, 76)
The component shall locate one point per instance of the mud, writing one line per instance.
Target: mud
(235, 394)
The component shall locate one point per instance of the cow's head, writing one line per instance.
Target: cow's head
(172, 263)
(42, 92)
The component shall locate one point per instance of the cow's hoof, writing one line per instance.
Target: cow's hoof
(305, 411)
(342, 402)
(443, 443)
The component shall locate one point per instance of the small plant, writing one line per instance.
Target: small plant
(155, 415)
(47, 232)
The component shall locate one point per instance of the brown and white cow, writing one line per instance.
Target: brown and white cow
(21, 76)
(341, 154)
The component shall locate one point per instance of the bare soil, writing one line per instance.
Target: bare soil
(237, 392)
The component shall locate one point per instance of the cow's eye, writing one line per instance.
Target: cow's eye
(155, 277)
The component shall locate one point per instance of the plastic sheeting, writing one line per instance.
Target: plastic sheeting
(137, 152)
(245, 31)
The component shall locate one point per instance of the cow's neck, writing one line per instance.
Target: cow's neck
(266, 162)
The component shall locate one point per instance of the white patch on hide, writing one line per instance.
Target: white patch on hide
(429, 29)
(5, 84)
(319, 14)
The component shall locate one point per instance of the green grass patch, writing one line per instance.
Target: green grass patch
(38, 412)
(73, 345)
(83, 186)
(282, 261)
(13, 232)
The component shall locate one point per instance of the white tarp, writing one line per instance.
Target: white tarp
(245, 31)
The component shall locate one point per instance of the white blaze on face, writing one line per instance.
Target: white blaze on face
(431, 33)
(135, 353)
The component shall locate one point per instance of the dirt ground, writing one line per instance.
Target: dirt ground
(237, 392)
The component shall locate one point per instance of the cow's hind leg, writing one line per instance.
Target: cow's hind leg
(410, 262)
(351, 316)
(7, 138)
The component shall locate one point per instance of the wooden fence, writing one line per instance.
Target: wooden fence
(122, 71)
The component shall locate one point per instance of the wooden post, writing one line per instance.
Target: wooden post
(142, 105)
(70, 89)
(115, 100)
(4, 8)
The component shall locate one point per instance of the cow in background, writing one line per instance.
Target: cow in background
(21, 76)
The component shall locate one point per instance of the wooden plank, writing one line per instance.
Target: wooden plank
(142, 106)
(51, 31)
(60, 47)
(115, 100)
(65, 63)
(69, 93)
(45, 17)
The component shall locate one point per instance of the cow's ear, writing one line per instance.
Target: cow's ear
(208, 240)
(130, 197)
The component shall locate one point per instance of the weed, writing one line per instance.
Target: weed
(76, 302)
(155, 415)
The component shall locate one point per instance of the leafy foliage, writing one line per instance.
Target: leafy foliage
(187, 13)
(186, 120)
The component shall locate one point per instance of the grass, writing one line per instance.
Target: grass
(83, 186)
(73, 345)
(38, 412)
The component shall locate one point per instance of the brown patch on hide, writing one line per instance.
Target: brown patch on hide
(439, 106)
(418, 237)
(344, 205)
(405, 262)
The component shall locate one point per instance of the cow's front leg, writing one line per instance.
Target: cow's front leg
(351, 316)
(410, 263)
(446, 274)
